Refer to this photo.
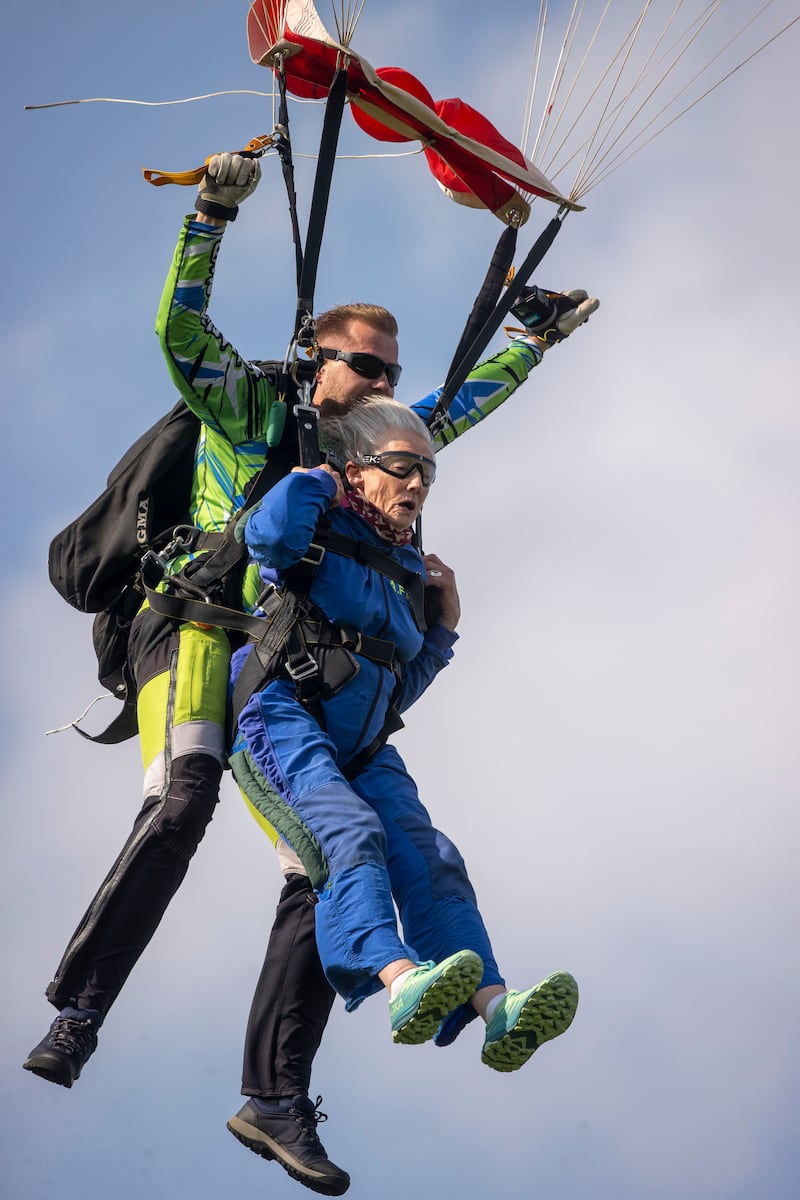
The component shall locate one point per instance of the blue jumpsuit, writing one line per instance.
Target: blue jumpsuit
(365, 839)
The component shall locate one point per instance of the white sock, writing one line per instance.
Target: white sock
(398, 982)
(491, 1007)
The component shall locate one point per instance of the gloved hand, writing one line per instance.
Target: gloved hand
(553, 316)
(229, 179)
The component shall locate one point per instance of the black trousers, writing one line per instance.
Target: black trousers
(292, 1000)
(128, 907)
(291, 1004)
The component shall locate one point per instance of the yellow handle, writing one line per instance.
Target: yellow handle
(254, 149)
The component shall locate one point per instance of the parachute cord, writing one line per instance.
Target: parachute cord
(570, 36)
(625, 53)
(346, 27)
(74, 724)
(597, 157)
(602, 145)
(551, 168)
(558, 77)
(533, 77)
(635, 144)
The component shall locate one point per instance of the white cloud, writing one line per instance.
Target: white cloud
(615, 744)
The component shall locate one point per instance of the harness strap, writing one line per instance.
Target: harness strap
(293, 632)
(201, 612)
(377, 560)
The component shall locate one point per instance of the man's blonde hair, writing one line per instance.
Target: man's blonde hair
(335, 323)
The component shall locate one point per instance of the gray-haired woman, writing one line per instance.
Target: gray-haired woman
(311, 754)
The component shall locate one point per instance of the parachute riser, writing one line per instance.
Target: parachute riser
(283, 147)
(329, 140)
(459, 371)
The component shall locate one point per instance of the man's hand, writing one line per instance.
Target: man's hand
(442, 578)
(550, 317)
(229, 179)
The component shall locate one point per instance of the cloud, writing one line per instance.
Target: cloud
(614, 746)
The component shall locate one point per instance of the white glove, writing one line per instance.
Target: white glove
(585, 305)
(229, 179)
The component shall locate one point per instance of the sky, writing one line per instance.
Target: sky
(615, 745)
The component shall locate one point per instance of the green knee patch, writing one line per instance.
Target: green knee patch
(266, 801)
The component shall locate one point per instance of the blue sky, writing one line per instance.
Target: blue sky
(615, 746)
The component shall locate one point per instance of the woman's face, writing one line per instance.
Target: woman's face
(400, 500)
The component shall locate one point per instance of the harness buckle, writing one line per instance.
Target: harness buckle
(307, 669)
(351, 639)
(152, 568)
(318, 554)
(153, 565)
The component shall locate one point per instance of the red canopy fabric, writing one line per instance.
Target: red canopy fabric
(469, 157)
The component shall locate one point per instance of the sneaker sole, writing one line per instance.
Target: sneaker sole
(545, 1015)
(264, 1146)
(453, 987)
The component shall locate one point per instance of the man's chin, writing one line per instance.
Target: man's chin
(332, 406)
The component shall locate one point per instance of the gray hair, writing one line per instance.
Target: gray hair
(368, 426)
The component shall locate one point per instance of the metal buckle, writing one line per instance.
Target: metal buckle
(316, 559)
(152, 568)
(306, 670)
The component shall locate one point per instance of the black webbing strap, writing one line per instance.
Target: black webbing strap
(471, 355)
(326, 538)
(203, 577)
(183, 608)
(286, 648)
(284, 148)
(319, 200)
(124, 726)
(486, 300)
(323, 633)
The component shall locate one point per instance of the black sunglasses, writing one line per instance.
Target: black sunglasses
(401, 463)
(367, 365)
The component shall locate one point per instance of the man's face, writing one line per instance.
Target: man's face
(338, 385)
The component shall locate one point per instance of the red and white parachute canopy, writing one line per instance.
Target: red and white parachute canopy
(471, 161)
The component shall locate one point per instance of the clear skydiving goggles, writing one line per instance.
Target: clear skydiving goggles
(368, 366)
(401, 464)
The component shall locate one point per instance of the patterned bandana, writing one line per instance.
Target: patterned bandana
(374, 517)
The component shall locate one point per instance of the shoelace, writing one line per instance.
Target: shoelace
(71, 1035)
(308, 1122)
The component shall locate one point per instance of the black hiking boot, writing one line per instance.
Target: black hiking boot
(287, 1133)
(70, 1043)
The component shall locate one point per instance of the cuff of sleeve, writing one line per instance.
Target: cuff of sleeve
(533, 344)
(326, 479)
(210, 208)
(201, 229)
(442, 639)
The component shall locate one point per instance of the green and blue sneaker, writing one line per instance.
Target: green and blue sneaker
(523, 1020)
(430, 993)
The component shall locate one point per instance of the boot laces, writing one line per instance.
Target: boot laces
(71, 1035)
(308, 1122)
